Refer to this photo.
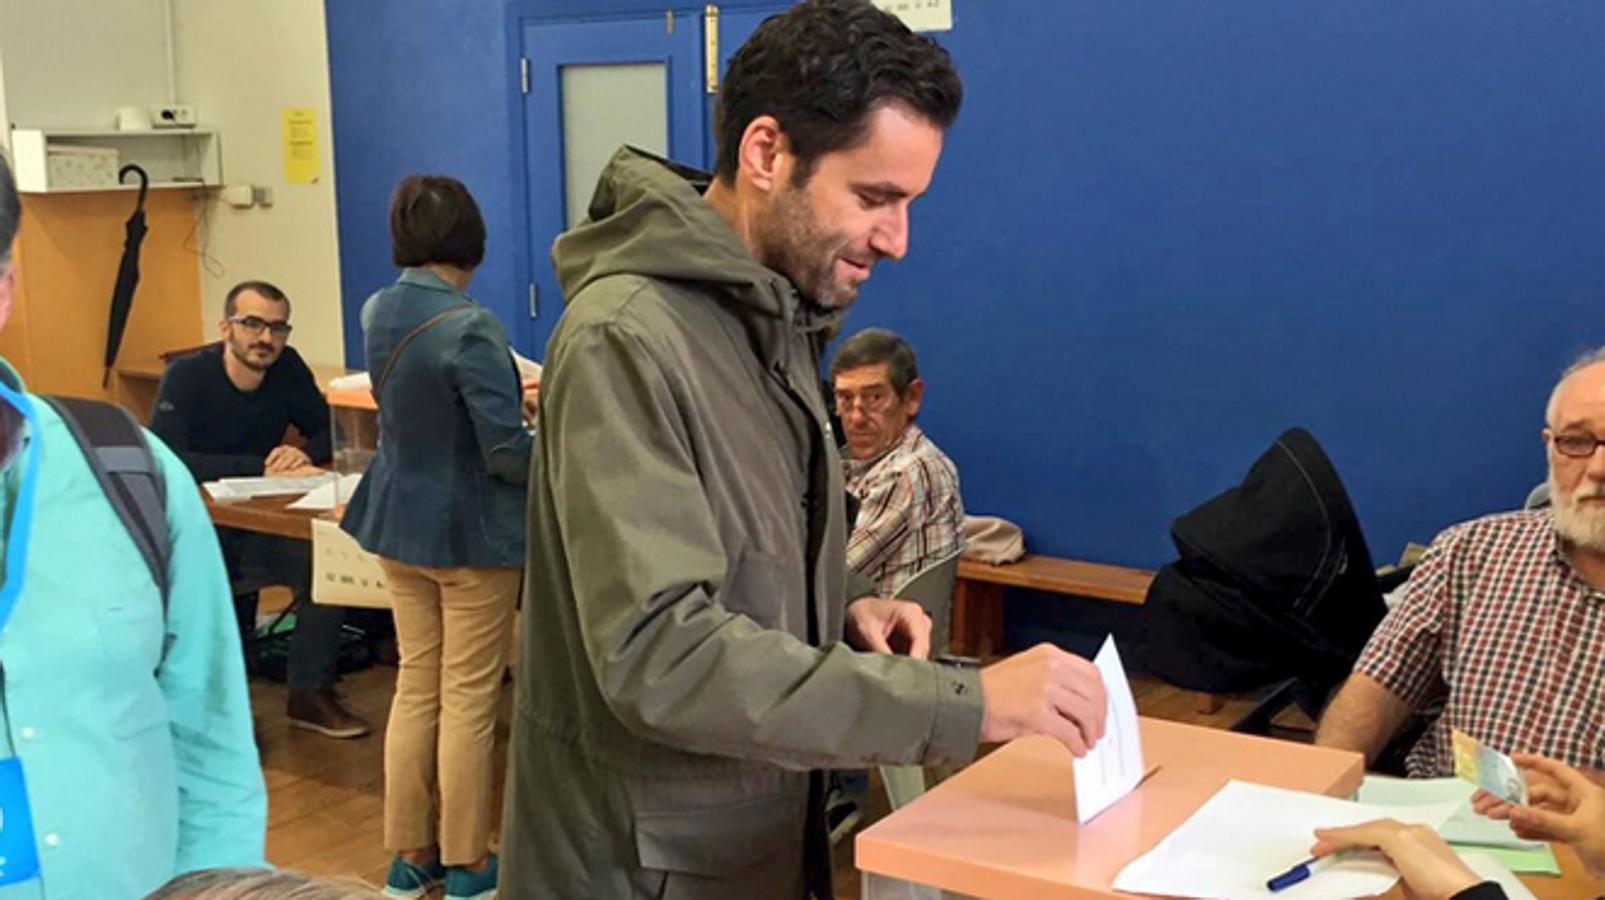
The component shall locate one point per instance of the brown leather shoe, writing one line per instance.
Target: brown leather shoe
(322, 711)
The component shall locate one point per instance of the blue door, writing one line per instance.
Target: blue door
(592, 86)
(735, 26)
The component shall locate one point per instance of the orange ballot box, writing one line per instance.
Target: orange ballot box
(1006, 826)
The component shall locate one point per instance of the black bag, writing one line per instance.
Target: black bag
(1274, 582)
(114, 446)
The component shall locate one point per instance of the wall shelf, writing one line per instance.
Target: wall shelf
(173, 158)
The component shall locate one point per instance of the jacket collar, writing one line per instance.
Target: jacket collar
(417, 276)
(649, 218)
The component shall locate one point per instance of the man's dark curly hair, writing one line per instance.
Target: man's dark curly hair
(821, 69)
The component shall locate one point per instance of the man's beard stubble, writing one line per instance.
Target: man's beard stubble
(242, 352)
(799, 249)
(1581, 525)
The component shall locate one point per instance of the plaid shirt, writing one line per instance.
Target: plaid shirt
(909, 512)
(1496, 616)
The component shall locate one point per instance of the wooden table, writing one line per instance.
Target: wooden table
(1006, 826)
(268, 515)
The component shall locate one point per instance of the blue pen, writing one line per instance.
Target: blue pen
(1296, 874)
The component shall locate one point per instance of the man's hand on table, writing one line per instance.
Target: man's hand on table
(288, 461)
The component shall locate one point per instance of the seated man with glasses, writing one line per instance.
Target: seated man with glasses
(907, 490)
(1504, 619)
(225, 410)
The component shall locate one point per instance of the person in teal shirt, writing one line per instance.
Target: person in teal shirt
(131, 728)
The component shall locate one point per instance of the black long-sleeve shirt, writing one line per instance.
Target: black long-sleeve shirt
(221, 431)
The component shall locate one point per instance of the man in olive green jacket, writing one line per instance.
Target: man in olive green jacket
(683, 671)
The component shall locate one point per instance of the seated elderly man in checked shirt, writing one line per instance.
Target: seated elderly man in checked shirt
(1504, 619)
(909, 511)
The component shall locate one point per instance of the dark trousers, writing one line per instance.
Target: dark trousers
(258, 560)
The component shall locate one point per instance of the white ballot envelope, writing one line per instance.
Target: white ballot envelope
(1114, 767)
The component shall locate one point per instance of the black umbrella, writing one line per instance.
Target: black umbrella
(122, 296)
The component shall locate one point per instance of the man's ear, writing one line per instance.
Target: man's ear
(765, 154)
(8, 291)
(914, 394)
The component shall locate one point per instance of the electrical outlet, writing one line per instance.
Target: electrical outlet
(172, 116)
(237, 196)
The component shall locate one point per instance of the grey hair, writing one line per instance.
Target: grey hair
(1592, 358)
(873, 346)
(260, 884)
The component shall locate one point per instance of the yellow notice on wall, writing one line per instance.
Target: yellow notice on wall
(300, 144)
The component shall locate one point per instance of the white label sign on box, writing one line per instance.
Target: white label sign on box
(344, 574)
(921, 15)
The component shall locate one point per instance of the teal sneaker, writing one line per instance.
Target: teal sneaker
(465, 884)
(410, 881)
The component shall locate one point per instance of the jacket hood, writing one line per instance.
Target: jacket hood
(648, 218)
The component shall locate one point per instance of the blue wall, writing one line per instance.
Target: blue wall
(417, 89)
(1161, 233)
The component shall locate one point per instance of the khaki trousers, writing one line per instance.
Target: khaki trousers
(452, 627)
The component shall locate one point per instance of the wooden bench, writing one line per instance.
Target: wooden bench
(978, 593)
(978, 598)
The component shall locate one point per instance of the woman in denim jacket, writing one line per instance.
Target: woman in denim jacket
(442, 506)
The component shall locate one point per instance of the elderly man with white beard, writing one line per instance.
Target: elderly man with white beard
(1504, 619)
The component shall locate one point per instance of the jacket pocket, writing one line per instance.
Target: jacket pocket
(722, 840)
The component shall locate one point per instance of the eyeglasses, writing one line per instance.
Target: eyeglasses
(871, 401)
(1576, 444)
(255, 325)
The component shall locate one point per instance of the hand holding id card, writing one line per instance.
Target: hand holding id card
(1488, 769)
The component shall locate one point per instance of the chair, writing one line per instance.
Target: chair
(932, 588)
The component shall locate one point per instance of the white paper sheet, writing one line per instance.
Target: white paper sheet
(1114, 766)
(329, 493)
(1464, 827)
(353, 382)
(527, 368)
(1493, 870)
(267, 486)
(1249, 833)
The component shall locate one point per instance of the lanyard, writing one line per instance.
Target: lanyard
(21, 512)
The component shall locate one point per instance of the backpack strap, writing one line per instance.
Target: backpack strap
(115, 447)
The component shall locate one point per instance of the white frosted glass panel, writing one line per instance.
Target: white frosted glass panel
(605, 106)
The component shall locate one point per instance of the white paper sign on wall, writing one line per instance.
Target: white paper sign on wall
(921, 15)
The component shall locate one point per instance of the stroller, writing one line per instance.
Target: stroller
(1274, 587)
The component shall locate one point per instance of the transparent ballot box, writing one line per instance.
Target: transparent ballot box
(355, 431)
(343, 574)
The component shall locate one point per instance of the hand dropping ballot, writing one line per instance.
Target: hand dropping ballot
(1488, 769)
(1114, 766)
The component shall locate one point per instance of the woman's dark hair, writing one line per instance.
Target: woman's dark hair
(821, 69)
(433, 219)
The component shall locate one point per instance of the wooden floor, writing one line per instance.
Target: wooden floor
(325, 797)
